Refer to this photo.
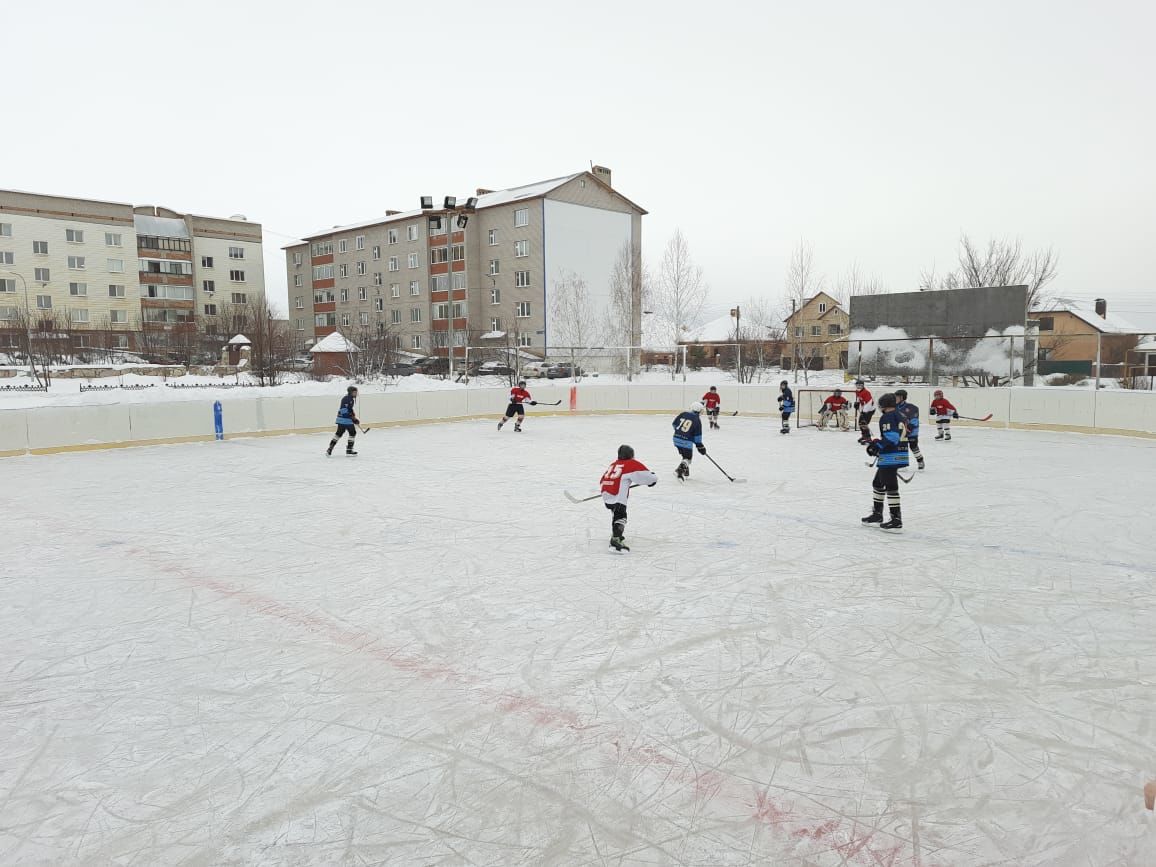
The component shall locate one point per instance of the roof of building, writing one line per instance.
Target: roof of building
(1110, 324)
(485, 200)
(493, 335)
(1150, 346)
(240, 340)
(162, 227)
(335, 342)
(835, 306)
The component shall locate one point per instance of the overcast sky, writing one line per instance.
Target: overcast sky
(876, 131)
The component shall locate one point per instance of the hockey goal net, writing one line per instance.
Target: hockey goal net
(809, 405)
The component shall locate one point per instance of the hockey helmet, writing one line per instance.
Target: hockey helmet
(838, 392)
(697, 406)
(782, 385)
(939, 392)
(901, 394)
(860, 383)
(888, 401)
(625, 453)
(351, 390)
(521, 383)
(714, 388)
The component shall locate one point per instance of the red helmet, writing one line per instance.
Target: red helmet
(939, 392)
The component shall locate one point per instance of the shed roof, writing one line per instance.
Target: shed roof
(335, 342)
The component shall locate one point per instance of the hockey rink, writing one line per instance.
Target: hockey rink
(245, 653)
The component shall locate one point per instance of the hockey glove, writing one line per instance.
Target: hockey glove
(955, 415)
(856, 404)
(701, 449)
(873, 448)
(932, 411)
(533, 403)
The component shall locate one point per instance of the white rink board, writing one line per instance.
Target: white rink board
(426, 654)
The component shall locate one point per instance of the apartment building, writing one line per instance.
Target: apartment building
(496, 279)
(96, 274)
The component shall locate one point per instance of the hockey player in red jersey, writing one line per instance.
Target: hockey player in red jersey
(712, 401)
(622, 475)
(834, 408)
(944, 412)
(518, 397)
(865, 408)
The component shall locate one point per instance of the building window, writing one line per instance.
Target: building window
(7, 258)
(209, 286)
(459, 252)
(78, 289)
(411, 231)
(342, 246)
(207, 261)
(322, 248)
(7, 284)
(5, 230)
(495, 323)
(210, 309)
(391, 236)
(118, 317)
(1047, 323)
(378, 303)
(495, 295)
(78, 315)
(44, 302)
(376, 251)
(173, 293)
(344, 295)
(438, 256)
(437, 225)
(521, 249)
(378, 279)
(522, 217)
(237, 276)
(414, 288)
(345, 320)
(394, 290)
(816, 330)
(240, 298)
(415, 341)
(297, 280)
(363, 318)
(76, 263)
(299, 303)
(359, 242)
(798, 330)
(523, 310)
(834, 329)
(441, 311)
(395, 317)
(40, 248)
(525, 340)
(343, 270)
(75, 236)
(116, 266)
(822, 306)
(415, 314)
(236, 253)
(393, 266)
(322, 272)
(112, 239)
(495, 266)
(521, 279)
(41, 274)
(320, 320)
(7, 313)
(296, 259)
(413, 260)
(362, 293)
(493, 236)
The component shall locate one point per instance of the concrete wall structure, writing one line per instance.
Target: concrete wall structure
(46, 430)
(948, 313)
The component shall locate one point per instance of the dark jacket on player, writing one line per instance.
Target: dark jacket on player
(892, 447)
(910, 413)
(687, 430)
(786, 400)
(345, 414)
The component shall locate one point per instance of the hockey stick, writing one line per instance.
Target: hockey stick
(905, 479)
(721, 470)
(364, 430)
(574, 499)
(541, 403)
(972, 418)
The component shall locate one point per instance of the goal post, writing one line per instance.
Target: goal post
(809, 402)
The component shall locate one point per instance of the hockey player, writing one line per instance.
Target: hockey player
(712, 402)
(347, 422)
(890, 452)
(910, 413)
(944, 412)
(688, 437)
(518, 397)
(622, 475)
(786, 405)
(834, 408)
(864, 408)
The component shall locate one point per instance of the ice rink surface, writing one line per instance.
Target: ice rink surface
(246, 653)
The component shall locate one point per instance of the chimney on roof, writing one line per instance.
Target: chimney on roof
(1101, 308)
(603, 174)
(482, 191)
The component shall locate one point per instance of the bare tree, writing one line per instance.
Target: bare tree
(270, 347)
(853, 282)
(629, 280)
(1002, 263)
(802, 284)
(681, 292)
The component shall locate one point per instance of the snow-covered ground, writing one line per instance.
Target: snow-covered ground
(246, 653)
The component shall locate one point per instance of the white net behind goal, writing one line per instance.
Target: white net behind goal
(809, 410)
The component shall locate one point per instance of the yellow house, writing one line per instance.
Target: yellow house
(816, 335)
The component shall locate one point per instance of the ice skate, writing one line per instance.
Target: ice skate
(894, 525)
(350, 453)
(618, 543)
(873, 518)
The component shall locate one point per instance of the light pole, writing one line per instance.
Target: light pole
(27, 326)
(460, 215)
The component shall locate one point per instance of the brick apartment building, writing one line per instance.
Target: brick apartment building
(394, 276)
(92, 274)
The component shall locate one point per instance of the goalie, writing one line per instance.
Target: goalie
(834, 411)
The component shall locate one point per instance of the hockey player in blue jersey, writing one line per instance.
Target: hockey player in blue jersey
(347, 422)
(890, 453)
(688, 437)
(786, 405)
(910, 413)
